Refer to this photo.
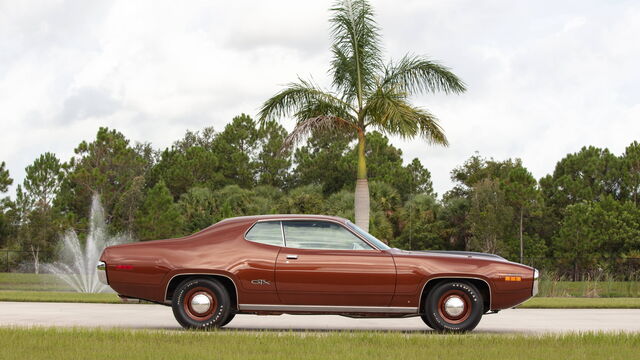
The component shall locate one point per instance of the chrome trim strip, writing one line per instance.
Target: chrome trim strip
(284, 239)
(166, 289)
(328, 308)
(457, 277)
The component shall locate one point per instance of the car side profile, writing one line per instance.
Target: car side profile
(311, 264)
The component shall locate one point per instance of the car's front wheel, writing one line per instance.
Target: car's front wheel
(455, 306)
(201, 304)
(228, 320)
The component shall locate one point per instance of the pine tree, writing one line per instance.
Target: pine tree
(158, 217)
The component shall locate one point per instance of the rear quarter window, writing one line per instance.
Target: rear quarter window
(266, 232)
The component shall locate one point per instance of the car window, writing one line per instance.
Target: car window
(372, 239)
(321, 235)
(267, 232)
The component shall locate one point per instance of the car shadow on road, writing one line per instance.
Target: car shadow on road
(311, 330)
(352, 330)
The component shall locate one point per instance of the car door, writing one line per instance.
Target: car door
(256, 271)
(323, 263)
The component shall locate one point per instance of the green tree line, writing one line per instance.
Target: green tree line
(581, 219)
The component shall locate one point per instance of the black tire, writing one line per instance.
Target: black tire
(427, 321)
(214, 316)
(437, 315)
(228, 319)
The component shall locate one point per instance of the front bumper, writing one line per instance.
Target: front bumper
(536, 275)
(101, 269)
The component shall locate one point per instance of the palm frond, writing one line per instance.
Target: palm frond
(430, 128)
(414, 74)
(390, 112)
(356, 47)
(323, 108)
(318, 124)
(299, 99)
(344, 72)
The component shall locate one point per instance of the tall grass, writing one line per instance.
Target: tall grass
(603, 285)
(18, 343)
(58, 296)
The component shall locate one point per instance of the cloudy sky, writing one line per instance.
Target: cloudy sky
(545, 77)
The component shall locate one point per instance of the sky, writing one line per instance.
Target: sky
(544, 77)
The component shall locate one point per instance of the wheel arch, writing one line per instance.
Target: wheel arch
(483, 286)
(225, 280)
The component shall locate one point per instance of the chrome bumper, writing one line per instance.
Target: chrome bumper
(101, 269)
(536, 275)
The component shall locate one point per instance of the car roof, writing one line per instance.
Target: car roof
(254, 218)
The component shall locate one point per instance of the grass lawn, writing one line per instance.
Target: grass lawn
(580, 303)
(35, 282)
(38, 343)
(51, 296)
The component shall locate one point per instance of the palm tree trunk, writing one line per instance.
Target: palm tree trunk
(35, 252)
(362, 187)
(521, 239)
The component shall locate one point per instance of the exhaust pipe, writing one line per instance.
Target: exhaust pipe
(128, 300)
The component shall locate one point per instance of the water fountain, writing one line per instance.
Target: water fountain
(78, 265)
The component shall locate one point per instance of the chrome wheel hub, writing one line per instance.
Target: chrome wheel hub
(200, 303)
(454, 306)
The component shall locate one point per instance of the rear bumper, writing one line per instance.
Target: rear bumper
(101, 269)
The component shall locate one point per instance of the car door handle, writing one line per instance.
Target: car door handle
(292, 257)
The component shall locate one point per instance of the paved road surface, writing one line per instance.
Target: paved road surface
(161, 317)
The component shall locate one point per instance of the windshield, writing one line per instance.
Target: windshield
(372, 239)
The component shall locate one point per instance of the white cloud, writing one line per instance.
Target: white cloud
(544, 78)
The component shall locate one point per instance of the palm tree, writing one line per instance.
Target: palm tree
(367, 93)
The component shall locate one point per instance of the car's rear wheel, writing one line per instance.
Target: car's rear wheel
(455, 306)
(201, 304)
(426, 320)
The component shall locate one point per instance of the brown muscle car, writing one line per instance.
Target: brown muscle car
(308, 264)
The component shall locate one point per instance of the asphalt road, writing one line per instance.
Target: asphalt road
(137, 316)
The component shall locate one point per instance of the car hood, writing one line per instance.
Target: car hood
(449, 253)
